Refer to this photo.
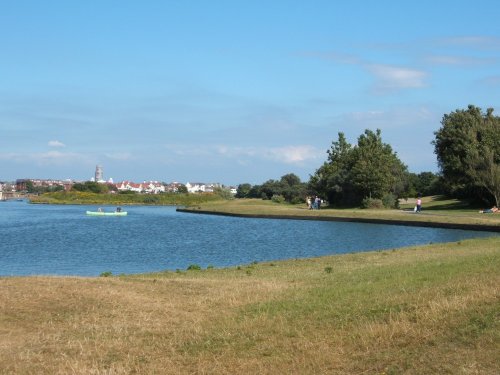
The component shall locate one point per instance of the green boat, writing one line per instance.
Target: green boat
(102, 213)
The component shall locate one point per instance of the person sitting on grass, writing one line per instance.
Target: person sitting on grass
(491, 210)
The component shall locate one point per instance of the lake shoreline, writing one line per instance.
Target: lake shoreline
(411, 223)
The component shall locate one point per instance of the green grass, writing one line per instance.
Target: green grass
(436, 210)
(418, 310)
(76, 197)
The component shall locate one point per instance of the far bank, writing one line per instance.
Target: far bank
(437, 216)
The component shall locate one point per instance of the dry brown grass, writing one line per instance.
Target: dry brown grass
(422, 310)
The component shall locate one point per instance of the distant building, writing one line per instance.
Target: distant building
(99, 174)
(22, 184)
(148, 187)
(173, 187)
(196, 187)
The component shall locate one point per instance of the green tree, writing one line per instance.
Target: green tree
(462, 144)
(486, 173)
(332, 179)
(292, 188)
(91, 186)
(369, 170)
(182, 189)
(30, 188)
(243, 191)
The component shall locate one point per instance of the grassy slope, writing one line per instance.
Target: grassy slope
(421, 310)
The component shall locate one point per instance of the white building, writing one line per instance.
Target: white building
(149, 187)
(196, 187)
(153, 187)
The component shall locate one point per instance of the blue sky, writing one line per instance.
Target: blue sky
(232, 91)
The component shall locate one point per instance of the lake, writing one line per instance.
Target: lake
(62, 240)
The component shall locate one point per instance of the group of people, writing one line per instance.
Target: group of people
(314, 203)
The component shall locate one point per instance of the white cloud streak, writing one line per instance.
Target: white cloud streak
(390, 78)
(56, 143)
(292, 155)
(46, 158)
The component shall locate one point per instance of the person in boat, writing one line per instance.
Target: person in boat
(491, 210)
(118, 209)
(99, 209)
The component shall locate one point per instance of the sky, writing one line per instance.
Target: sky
(233, 91)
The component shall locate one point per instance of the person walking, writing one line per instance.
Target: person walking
(419, 204)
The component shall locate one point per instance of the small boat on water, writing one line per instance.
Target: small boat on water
(103, 213)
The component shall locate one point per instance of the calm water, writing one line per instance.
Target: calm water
(62, 240)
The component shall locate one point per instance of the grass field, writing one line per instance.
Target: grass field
(435, 210)
(421, 310)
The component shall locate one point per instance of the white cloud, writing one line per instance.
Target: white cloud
(458, 60)
(46, 158)
(296, 154)
(56, 143)
(390, 78)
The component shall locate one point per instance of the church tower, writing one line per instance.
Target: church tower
(99, 175)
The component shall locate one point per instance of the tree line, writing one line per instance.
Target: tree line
(370, 174)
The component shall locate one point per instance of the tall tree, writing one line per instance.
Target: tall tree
(486, 173)
(332, 179)
(462, 143)
(370, 169)
(243, 190)
(376, 167)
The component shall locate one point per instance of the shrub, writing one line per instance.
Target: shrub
(390, 201)
(297, 200)
(194, 267)
(278, 198)
(371, 203)
(106, 274)
(328, 269)
(151, 199)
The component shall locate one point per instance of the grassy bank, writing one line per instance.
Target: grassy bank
(76, 197)
(420, 310)
(436, 210)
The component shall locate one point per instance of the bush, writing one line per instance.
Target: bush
(371, 203)
(297, 200)
(151, 199)
(390, 201)
(278, 198)
(194, 267)
(106, 274)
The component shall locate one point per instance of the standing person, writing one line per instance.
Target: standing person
(419, 204)
(318, 202)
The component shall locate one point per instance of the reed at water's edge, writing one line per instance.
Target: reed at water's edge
(429, 309)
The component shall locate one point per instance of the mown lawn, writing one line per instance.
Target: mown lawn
(435, 210)
(421, 310)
